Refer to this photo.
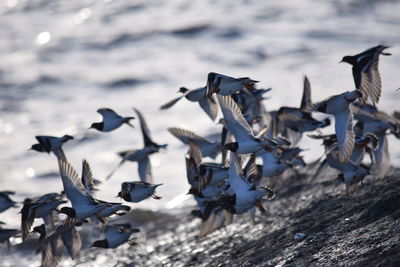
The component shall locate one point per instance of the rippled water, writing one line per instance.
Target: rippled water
(62, 60)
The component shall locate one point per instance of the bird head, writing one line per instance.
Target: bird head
(348, 59)
(68, 211)
(183, 90)
(100, 244)
(96, 125)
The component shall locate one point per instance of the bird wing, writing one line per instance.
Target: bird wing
(145, 129)
(144, 168)
(195, 152)
(184, 136)
(108, 113)
(73, 186)
(236, 178)
(345, 134)
(210, 106)
(27, 218)
(72, 241)
(87, 177)
(192, 172)
(171, 103)
(306, 99)
(234, 119)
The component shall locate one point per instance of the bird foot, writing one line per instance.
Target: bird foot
(132, 243)
(155, 196)
(260, 206)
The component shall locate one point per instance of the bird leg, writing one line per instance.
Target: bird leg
(260, 206)
(101, 219)
(132, 243)
(155, 196)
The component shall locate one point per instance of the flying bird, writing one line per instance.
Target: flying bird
(111, 120)
(366, 74)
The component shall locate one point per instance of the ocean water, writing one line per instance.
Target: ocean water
(62, 60)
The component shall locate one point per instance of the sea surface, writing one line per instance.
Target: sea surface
(62, 60)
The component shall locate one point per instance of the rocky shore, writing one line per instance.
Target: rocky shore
(362, 229)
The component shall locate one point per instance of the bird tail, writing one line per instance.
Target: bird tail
(127, 121)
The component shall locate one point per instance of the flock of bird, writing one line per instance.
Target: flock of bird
(235, 184)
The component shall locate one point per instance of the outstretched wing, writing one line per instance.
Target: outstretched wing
(234, 119)
(73, 186)
(184, 136)
(144, 167)
(345, 134)
(210, 106)
(145, 130)
(171, 103)
(87, 177)
(306, 100)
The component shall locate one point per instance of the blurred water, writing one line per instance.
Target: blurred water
(62, 60)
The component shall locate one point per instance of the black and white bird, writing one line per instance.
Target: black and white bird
(292, 122)
(116, 235)
(40, 207)
(88, 182)
(57, 240)
(225, 85)
(353, 170)
(372, 120)
(111, 120)
(137, 191)
(141, 156)
(206, 102)
(83, 204)
(51, 144)
(5, 201)
(366, 74)
(339, 106)
(246, 141)
(244, 195)
(211, 173)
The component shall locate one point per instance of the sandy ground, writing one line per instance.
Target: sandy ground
(340, 230)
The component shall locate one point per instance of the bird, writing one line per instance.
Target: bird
(225, 85)
(137, 191)
(339, 106)
(5, 201)
(372, 120)
(366, 74)
(206, 102)
(115, 235)
(40, 207)
(244, 195)
(208, 148)
(273, 164)
(6, 234)
(51, 144)
(83, 204)
(353, 167)
(88, 182)
(54, 243)
(246, 142)
(209, 173)
(111, 120)
(292, 122)
(141, 155)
